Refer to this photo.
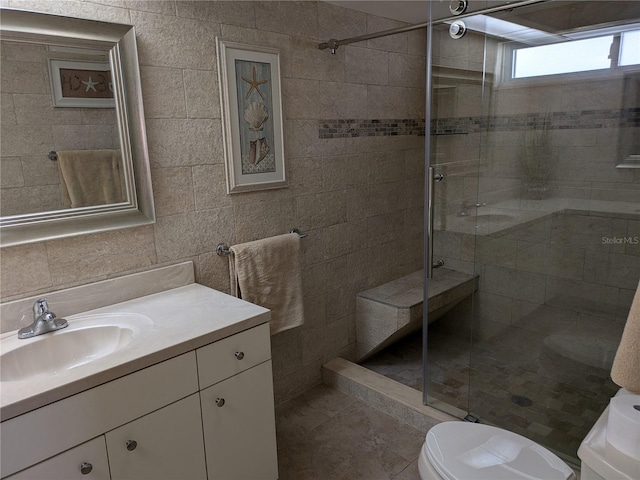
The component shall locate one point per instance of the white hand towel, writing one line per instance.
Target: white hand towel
(268, 273)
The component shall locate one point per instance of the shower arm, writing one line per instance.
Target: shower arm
(333, 44)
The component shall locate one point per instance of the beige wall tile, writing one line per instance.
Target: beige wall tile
(339, 22)
(38, 110)
(75, 8)
(227, 12)
(301, 98)
(193, 233)
(515, 284)
(305, 175)
(23, 52)
(321, 210)
(392, 43)
(163, 92)
(366, 66)
(417, 42)
(308, 61)
(91, 257)
(302, 140)
(165, 7)
(173, 190)
(161, 40)
(592, 299)
(25, 140)
(385, 228)
(491, 307)
(25, 269)
(264, 219)
(38, 172)
(212, 270)
(8, 113)
(202, 94)
(386, 102)
(83, 137)
(345, 171)
(209, 184)
(292, 18)
(18, 201)
(11, 172)
(178, 142)
(496, 251)
(345, 238)
(343, 100)
(407, 70)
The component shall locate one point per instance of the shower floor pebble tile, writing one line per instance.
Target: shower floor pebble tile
(565, 397)
(324, 434)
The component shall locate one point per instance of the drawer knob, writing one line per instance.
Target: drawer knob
(220, 402)
(86, 468)
(131, 445)
(239, 355)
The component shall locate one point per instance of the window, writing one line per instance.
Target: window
(576, 55)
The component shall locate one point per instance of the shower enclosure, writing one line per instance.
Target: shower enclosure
(535, 125)
(534, 118)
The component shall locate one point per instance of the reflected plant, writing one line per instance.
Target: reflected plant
(537, 158)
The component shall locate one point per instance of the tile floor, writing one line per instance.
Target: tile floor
(511, 379)
(324, 434)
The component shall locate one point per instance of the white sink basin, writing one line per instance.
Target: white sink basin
(85, 340)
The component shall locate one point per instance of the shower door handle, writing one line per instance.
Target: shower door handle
(432, 178)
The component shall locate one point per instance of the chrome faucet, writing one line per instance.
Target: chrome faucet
(44, 321)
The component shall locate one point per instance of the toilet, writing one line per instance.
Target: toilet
(472, 451)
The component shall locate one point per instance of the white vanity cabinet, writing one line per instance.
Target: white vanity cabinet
(237, 406)
(207, 413)
(164, 444)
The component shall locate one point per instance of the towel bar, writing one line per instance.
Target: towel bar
(53, 155)
(223, 250)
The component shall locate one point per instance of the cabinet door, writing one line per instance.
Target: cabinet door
(165, 444)
(84, 462)
(239, 426)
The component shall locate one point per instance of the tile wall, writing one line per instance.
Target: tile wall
(359, 198)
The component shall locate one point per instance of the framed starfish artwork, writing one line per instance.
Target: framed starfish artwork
(81, 84)
(250, 97)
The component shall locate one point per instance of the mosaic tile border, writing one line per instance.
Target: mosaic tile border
(571, 120)
(369, 128)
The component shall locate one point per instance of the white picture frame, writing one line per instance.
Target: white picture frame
(251, 102)
(81, 84)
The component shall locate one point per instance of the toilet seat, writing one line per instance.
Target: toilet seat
(462, 451)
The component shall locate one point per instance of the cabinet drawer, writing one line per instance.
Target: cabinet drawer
(232, 355)
(76, 419)
(67, 466)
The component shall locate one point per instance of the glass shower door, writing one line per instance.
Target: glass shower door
(535, 123)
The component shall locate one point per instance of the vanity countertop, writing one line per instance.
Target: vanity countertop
(181, 319)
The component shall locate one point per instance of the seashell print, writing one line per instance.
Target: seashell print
(255, 115)
(258, 150)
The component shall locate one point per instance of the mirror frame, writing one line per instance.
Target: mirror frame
(120, 41)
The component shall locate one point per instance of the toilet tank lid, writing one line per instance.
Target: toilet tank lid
(462, 450)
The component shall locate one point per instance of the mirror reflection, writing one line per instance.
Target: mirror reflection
(61, 144)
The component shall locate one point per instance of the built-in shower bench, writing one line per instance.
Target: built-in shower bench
(390, 311)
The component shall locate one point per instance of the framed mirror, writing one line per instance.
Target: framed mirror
(73, 157)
